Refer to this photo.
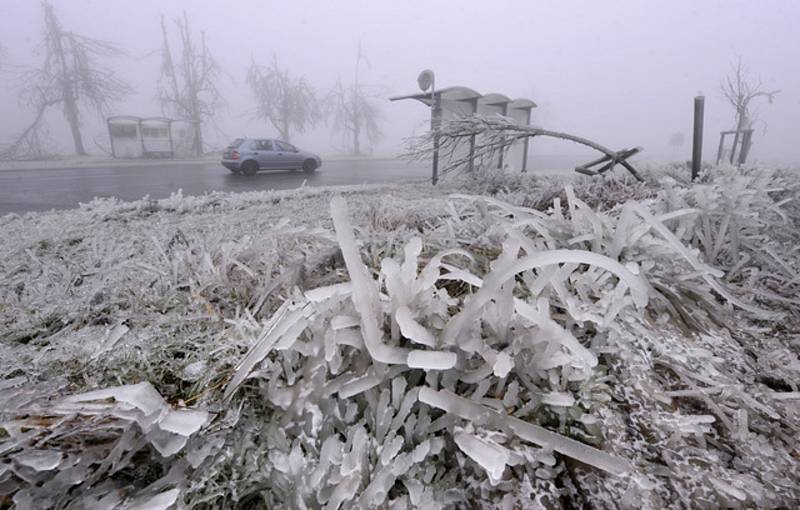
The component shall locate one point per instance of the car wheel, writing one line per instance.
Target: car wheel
(309, 165)
(250, 167)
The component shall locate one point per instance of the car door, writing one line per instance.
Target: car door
(266, 155)
(248, 150)
(289, 156)
(251, 150)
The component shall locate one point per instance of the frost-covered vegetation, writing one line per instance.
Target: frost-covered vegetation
(499, 342)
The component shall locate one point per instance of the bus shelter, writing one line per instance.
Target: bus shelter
(151, 137)
(452, 102)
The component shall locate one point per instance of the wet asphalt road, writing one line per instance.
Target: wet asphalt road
(41, 189)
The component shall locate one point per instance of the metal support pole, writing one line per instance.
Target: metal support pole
(502, 149)
(697, 141)
(733, 148)
(474, 105)
(472, 153)
(436, 120)
(747, 138)
(736, 137)
(525, 144)
(721, 147)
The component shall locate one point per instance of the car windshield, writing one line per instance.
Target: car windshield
(236, 143)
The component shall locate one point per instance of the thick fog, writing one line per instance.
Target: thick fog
(621, 73)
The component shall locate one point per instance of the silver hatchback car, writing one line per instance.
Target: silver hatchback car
(249, 155)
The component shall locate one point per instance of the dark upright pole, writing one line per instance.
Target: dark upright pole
(474, 105)
(526, 143)
(697, 141)
(502, 148)
(721, 147)
(436, 120)
(747, 141)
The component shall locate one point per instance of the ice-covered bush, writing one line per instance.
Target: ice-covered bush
(500, 344)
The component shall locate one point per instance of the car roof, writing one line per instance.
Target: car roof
(248, 139)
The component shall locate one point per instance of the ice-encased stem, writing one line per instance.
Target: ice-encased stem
(365, 292)
(497, 277)
(365, 297)
(480, 415)
(282, 321)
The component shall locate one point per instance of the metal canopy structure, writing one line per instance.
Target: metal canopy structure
(466, 101)
(447, 94)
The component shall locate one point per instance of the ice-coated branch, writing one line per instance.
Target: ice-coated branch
(500, 275)
(366, 301)
(494, 135)
(480, 415)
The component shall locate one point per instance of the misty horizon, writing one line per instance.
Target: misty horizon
(624, 76)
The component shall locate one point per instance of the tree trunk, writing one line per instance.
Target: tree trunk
(71, 114)
(67, 89)
(198, 139)
(356, 128)
(356, 145)
(285, 130)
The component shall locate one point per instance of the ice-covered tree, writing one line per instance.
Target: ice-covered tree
(72, 77)
(740, 89)
(188, 83)
(355, 114)
(288, 103)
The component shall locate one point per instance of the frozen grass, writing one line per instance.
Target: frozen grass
(501, 341)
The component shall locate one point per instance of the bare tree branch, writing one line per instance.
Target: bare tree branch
(354, 111)
(494, 135)
(289, 104)
(70, 75)
(188, 85)
(740, 90)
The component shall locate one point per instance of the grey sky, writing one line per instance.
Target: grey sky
(622, 72)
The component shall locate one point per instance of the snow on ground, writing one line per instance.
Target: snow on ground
(503, 341)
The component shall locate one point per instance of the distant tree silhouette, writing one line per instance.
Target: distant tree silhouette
(354, 112)
(188, 84)
(70, 76)
(288, 103)
(740, 90)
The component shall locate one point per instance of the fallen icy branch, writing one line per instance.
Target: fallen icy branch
(482, 416)
(168, 429)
